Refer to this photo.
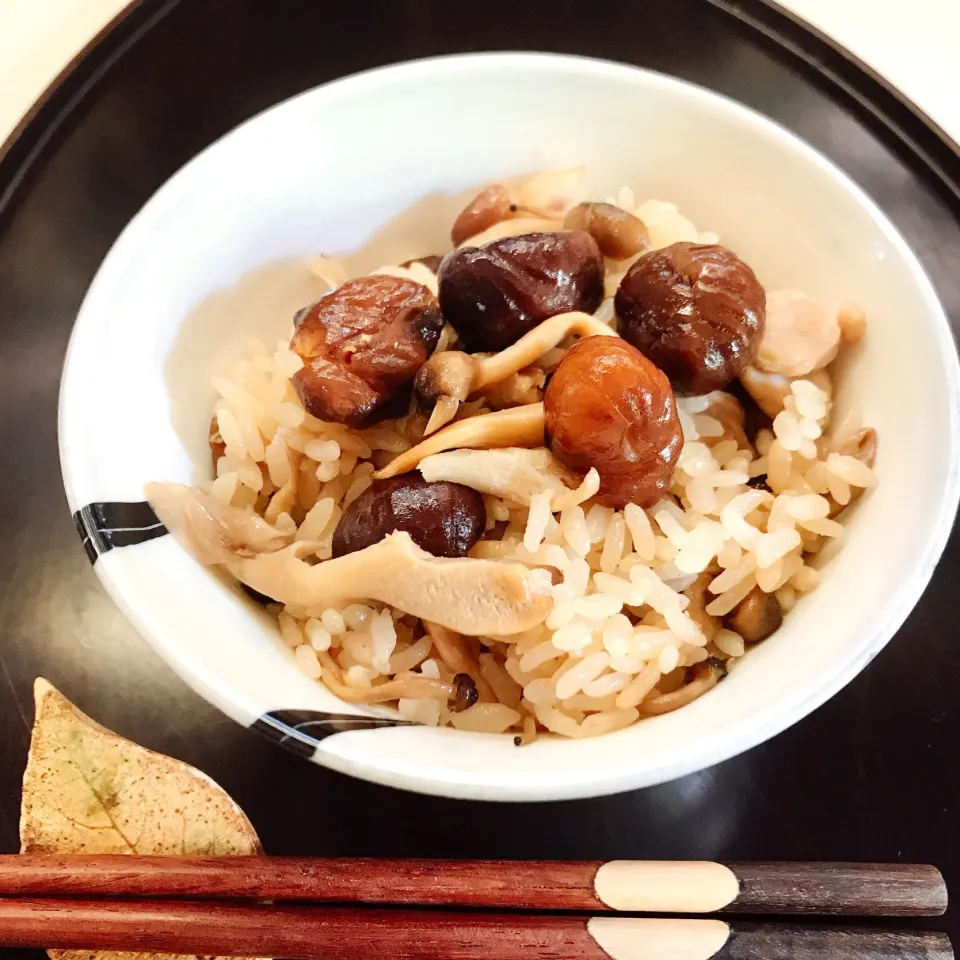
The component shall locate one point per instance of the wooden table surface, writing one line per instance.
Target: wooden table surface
(872, 775)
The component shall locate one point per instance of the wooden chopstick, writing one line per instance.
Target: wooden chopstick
(637, 886)
(325, 933)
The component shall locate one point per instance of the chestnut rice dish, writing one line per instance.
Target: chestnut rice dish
(558, 479)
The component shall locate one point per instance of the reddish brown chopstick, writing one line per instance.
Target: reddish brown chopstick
(324, 933)
(851, 889)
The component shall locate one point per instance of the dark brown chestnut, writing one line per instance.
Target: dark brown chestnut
(445, 519)
(493, 295)
(697, 311)
(362, 344)
(607, 406)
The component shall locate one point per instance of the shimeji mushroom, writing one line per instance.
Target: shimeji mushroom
(515, 427)
(701, 678)
(449, 378)
(453, 651)
(472, 597)
(538, 203)
(607, 408)
(513, 473)
(212, 531)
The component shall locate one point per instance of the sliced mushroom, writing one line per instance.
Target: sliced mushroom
(525, 386)
(211, 530)
(472, 597)
(455, 376)
(453, 651)
(516, 427)
(799, 337)
(513, 473)
(607, 407)
(704, 675)
(756, 616)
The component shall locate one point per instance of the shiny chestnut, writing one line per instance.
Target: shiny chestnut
(697, 311)
(607, 406)
(493, 295)
(445, 519)
(362, 344)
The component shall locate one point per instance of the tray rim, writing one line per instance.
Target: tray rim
(867, 92)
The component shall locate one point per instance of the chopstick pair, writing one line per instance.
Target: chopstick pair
(212, 928)
(634, 886)
(222, 915)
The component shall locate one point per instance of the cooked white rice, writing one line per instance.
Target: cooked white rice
(630, 611)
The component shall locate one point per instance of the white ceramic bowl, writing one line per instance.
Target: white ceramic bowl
(327, 171)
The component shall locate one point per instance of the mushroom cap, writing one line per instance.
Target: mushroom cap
(447, 374)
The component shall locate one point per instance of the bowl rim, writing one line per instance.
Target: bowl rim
(710, 750)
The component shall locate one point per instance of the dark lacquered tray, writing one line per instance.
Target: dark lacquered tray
(871, 775)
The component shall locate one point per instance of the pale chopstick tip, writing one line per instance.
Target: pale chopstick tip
(666, 886)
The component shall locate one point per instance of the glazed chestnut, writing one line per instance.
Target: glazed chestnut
(493, 295)
(445, 519)
(697, 311)
(362, 344)
(607, 406)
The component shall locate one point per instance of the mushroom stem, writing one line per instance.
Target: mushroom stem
(445, 410)
(411, 687)
(511, 473)
(534, 344)
(472, 597)
(212, 531)
(706, 676)
(453, 652)
(515, 427)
